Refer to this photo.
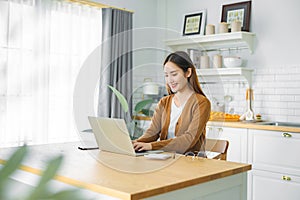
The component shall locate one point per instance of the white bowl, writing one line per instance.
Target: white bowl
(232, 61)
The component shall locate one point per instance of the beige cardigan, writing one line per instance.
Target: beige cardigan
(189, 131)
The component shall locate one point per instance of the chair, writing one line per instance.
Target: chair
(218, 146)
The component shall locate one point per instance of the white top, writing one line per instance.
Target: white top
(175, 114)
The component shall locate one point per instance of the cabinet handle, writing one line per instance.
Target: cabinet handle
(286, 135)
(286, 178)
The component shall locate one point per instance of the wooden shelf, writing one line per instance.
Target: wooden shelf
(241, 40)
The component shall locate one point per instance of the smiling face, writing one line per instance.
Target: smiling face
(175, 77)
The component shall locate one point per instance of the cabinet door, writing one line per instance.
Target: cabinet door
(274, 151)
(237, 137)
(267, 185)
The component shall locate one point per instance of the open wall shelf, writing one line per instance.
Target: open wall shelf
(225, 74)
(240, 40)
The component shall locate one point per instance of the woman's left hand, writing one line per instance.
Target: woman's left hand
(140, 146)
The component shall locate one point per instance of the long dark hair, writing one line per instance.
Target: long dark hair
(183, 61)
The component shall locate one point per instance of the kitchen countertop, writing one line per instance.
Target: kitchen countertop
(253, 126)
(240, 124)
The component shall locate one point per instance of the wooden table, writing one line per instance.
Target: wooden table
(126, 177)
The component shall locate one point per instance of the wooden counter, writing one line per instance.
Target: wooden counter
(254, 126)
(127, 177)
(240, 124)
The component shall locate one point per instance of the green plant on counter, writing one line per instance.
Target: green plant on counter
(41, 191)
(139, 108)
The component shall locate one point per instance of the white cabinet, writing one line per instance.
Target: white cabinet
(275, 163)
(237, 137)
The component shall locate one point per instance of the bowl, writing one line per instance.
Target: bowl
(232, 61)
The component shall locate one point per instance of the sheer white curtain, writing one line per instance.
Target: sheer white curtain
(42, 46)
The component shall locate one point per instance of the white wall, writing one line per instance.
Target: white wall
(275, 59)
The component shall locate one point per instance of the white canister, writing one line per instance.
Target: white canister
(236, 26)
(210, 29)
(223, 27)
(217, 61)
(204, 62)
(150, 88)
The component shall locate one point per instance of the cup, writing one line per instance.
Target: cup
(236, 26)
(223, 27)
(204, 62)
(210, 29)
(217, 61)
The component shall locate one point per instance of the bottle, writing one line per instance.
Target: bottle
(249, 114)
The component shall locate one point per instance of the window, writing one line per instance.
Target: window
(42, 46)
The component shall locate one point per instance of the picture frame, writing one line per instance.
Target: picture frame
(194, 23)
(240, 11)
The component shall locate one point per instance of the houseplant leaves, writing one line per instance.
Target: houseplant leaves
(121, 98)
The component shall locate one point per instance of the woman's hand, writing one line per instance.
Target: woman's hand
(141, 146)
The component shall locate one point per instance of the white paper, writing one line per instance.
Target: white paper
(158, 156)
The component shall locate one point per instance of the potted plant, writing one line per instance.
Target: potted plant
(140, 107)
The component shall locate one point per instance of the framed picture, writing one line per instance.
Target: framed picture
(237, 11)
(194, 23)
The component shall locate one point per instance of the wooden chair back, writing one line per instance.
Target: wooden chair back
(219, 146)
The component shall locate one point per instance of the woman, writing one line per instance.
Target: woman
(180, 119)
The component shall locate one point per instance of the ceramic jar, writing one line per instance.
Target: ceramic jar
(236, 26)
(223, 27)
(210, 29)
(204, 62)
(217, 61)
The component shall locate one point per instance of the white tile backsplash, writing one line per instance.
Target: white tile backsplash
(297, 98)
(277, 88)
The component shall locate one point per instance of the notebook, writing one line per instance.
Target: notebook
(112, 135)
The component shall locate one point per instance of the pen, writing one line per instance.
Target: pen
(87, 148)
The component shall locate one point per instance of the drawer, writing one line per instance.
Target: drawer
(275, 151)
(267, 185)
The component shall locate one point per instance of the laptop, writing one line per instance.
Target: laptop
(112, 135)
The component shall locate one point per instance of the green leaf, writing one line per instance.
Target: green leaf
(9, 168)
(41, 191)
(121, 98)
(140, 105)
(13, 163)
(147, 112)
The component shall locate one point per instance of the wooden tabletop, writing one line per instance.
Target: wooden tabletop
(124, 176)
